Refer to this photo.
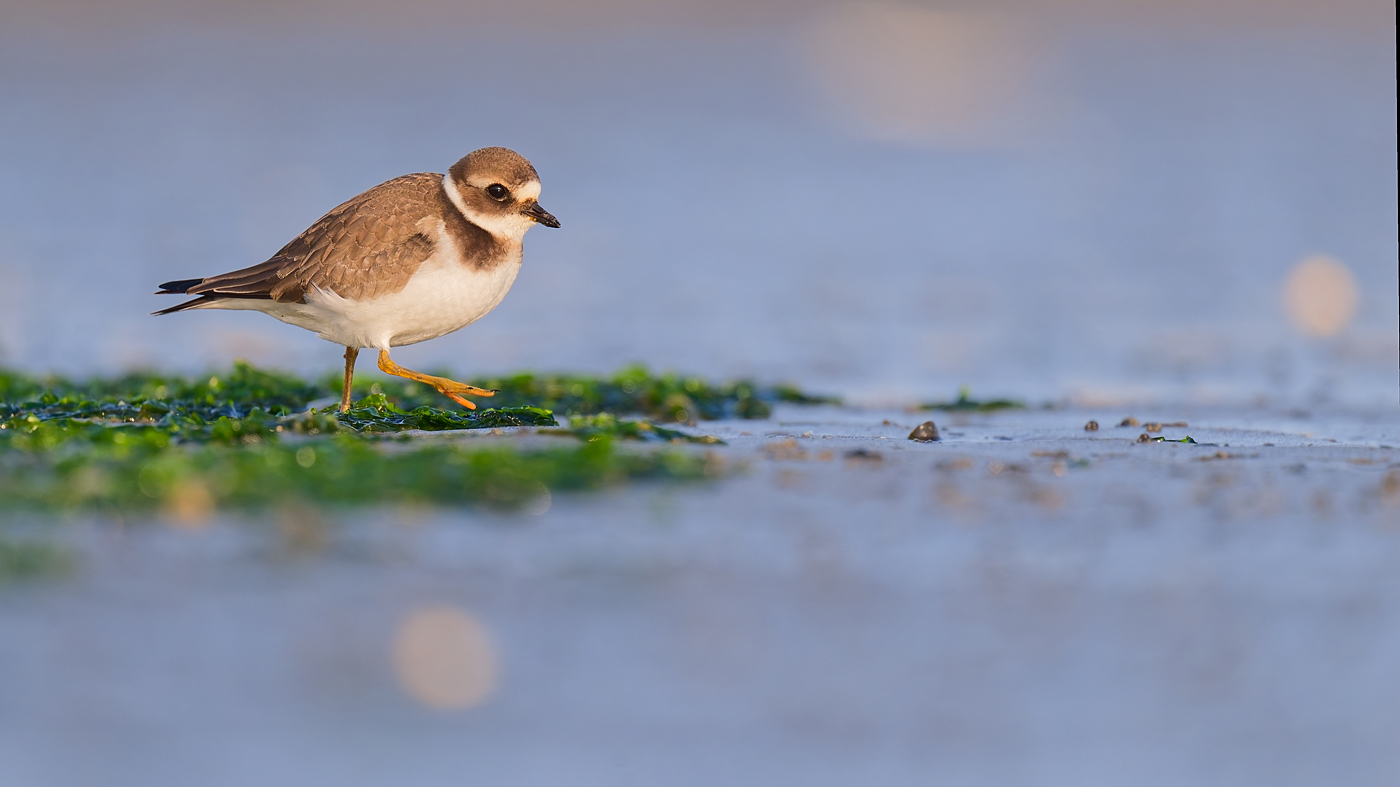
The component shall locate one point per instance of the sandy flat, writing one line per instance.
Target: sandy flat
(1023, 602)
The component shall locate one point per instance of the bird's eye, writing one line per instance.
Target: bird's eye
(497, 191)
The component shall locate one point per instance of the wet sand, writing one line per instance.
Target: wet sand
(1023, 602)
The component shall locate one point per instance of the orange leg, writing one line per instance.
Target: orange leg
(351, 353)
(450, 388)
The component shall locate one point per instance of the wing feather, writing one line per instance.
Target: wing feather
(365, 248)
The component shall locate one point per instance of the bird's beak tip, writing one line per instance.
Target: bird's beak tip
(541, 216)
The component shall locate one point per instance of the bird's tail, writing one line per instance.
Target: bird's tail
(180, 288)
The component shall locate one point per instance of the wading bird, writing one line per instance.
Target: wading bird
(410, 260)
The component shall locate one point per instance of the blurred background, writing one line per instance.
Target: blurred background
(1096, 199)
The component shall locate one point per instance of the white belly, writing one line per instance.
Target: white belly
(443, 296)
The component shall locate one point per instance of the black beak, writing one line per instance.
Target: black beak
(534, 211)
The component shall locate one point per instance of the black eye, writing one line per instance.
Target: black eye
(497, 191)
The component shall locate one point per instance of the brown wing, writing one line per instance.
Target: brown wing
(365, 248)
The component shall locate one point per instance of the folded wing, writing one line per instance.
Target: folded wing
(363, 249)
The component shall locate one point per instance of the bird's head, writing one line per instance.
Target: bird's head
(498, 190)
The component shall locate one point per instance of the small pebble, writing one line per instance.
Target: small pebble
(787, 450)
(1144, 438)
(1092, 426)
(861, 456)
(1152, 427)
(1129, 421)
(925, 432)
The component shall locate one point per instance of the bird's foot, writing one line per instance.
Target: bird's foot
(455, 390)
(449, 388)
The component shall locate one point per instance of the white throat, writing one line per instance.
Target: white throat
(510, 227)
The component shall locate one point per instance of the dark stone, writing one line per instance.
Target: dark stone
(925, 432)
(862, 456)
(1092, 426)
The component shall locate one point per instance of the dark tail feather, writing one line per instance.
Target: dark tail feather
(203, 299)
(177, 287)
(187, 304)
(211, 293)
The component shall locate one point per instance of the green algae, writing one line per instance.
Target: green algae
(666, 398)
(375, 413)
(150, 397)
(137, 468)
(609, 426)
(523, 399)
(1160, 439)
(965, 403)
(250, 438)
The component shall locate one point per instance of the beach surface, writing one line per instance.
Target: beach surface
(1021, 602)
